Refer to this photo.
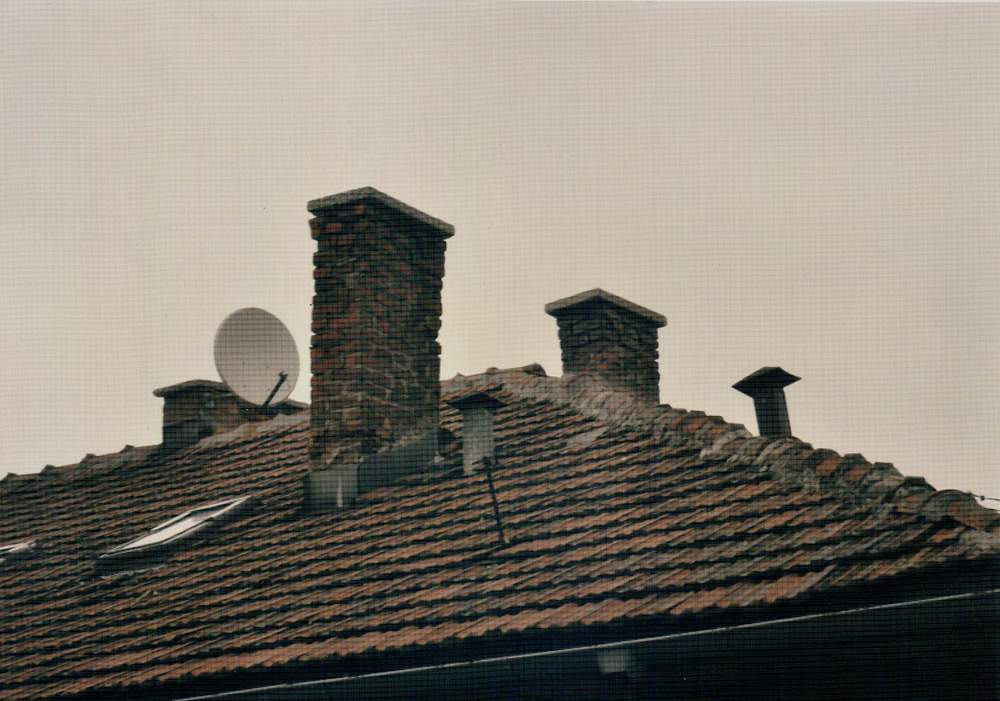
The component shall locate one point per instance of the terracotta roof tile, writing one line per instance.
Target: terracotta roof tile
(615, 513)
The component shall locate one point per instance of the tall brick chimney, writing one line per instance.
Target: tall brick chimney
(376, 314)
(604, 334)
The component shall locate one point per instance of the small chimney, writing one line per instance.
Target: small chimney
(478, 442)
(199, 408)
(378, 272)
(604, 334)
(766, 386)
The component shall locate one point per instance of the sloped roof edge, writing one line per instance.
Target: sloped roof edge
(789, 459)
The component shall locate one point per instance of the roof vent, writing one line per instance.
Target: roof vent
(478, 441)
(613, 338)
(767, 387)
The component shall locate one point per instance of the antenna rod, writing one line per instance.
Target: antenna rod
(282, 376)
(488, 464)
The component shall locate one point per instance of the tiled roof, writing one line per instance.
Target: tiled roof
(616, 514)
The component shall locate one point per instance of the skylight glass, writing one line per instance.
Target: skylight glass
(13, 550)
(181, 526)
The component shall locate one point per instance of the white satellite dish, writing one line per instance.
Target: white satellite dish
(256, 356)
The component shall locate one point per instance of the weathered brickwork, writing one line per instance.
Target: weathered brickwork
(376, 313)
(196, 409)
(618, 344)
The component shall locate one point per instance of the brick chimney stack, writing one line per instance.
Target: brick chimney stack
(196, 409)
(604, 334)
(376, 313)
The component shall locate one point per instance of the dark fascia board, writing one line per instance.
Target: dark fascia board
(369, 193)
(781, 637)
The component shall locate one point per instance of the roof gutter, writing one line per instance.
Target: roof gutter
(976, 608)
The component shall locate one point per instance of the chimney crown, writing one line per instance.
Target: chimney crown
(331, 202)
(611, 337)
(569, 305)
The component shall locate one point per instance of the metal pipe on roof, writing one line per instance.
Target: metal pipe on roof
(767, 388)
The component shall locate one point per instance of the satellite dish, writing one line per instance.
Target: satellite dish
(256, 356)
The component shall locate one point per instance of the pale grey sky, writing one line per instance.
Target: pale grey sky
(811, 186)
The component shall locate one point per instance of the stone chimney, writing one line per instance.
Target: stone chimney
(196, 409)
(767, 387)
(376, 313)
(604, 334)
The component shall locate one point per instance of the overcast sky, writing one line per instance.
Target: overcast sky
(810, 186)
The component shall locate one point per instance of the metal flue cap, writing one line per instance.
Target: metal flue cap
(765, 379)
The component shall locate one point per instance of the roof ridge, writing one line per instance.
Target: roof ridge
(789, 460)
(89, 466)
(792, 460)
(250, 430)
(589, 394)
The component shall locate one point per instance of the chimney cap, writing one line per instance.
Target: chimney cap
(765, 378)
(565, 305)
(474, 400)
(189, 384)
(221, 388)
(361, 194)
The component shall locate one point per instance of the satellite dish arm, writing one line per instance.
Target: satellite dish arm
(282, 376)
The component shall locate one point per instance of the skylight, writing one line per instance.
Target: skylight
(11, 551)
(180, 527)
